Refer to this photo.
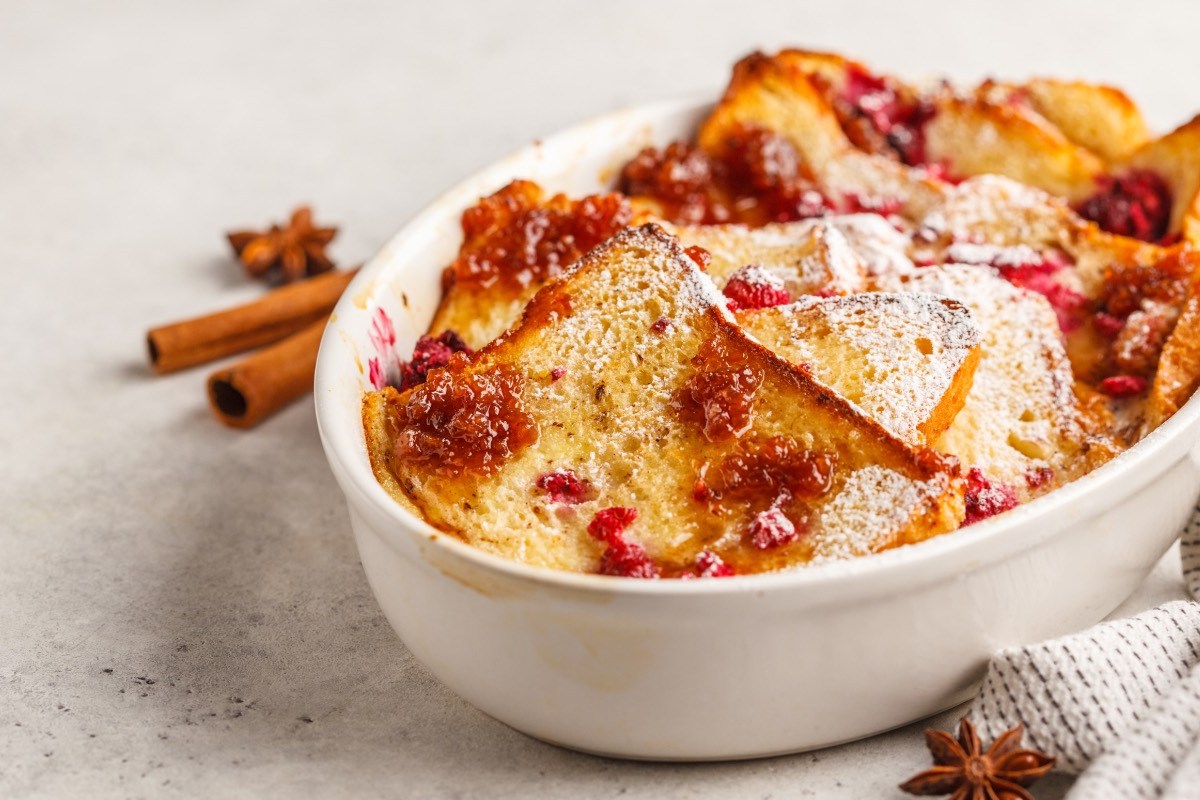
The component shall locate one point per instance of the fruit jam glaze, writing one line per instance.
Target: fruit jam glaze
(516, 238)
(719, 397)
(462, 421)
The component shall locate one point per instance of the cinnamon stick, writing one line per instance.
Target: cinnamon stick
(255, 388)
(281, 312)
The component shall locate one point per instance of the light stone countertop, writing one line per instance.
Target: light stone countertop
(183, 612)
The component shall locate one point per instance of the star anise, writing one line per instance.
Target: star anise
(962, 768)
(294, 251)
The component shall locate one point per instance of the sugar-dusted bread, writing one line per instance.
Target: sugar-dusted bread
(1101, 118)
(1021, 417)
(620, 389)
(809, 257)
(780, 95)
(907, 360)
(977, 135)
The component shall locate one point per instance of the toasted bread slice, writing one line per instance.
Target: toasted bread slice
(1176, 159)
(1101, 118)
(617, 401)
(975, 136)
(1021, 416)
(907, 360)
(779, 95)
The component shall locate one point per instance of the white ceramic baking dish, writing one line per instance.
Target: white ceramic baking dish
(717, 669)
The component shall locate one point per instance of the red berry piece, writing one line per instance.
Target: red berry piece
(1123, 385)
(430, 353)
(986, 498)
(709, 565)
(557, 373)
(1136, 204)
(1107, 324)
(754, 287)
(660, 325)
(562, 486)
(610, 523)
(627, 560)
(771, 528)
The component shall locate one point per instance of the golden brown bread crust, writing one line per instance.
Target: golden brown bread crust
(585, 428)
(1100, 118)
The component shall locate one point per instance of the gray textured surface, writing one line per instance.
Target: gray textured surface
(183, 613)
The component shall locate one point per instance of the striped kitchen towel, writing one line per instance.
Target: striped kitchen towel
(1118, 703)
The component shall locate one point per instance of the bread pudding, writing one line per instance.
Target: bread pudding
(850, 314)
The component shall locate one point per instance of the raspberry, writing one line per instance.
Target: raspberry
(986, 498)
(610, 523)
(771, 528)
(1107, 324)
(430, 353)
(754, 287)
(622, 558)
(1136, 204)
(1123, 385)
(557, 373)
(1038, 477)
(1029, 269)
(709, 565)
(562, 486)
(660, 325)
(627, 560)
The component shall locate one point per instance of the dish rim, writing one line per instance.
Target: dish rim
(976, 547)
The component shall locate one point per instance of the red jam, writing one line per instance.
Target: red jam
(564, 487)
(754, 287)
(1136, 204)
(758, 177)
(681, 178)
(699, 255)
(513, 237)
(769, 469)
(621, 557)
(986, 498)
(430, 353)
(879, 119)
(461, 421)
(720, 396)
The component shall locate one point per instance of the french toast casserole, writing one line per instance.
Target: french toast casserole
(850, 313)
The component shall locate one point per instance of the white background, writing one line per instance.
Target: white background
(212, 571)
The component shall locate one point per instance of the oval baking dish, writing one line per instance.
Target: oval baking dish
(736, 668)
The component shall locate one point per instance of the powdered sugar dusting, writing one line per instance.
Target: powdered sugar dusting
(855, 523)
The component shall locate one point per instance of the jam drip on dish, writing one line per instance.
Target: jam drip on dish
(719, 397)
(459, 421)
(516, 238)
(1137, 204)
(759, 177)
